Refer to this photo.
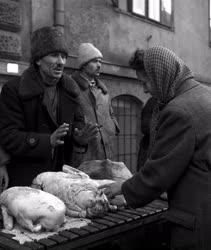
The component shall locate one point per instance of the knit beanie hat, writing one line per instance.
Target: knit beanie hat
(86, 53)
(45, 41)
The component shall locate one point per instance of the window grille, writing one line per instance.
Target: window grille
(127, 110)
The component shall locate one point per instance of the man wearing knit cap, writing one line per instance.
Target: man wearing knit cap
(96, 104)
(39, 110)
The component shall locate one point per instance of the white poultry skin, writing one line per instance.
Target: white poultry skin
(32, 209)
(106, 169)
(79, 193)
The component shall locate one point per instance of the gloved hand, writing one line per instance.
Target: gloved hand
(87, 133)
(4, 179)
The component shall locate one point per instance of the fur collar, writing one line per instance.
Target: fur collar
(84, 84)
(31, 85)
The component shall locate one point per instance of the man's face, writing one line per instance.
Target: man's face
(145, 81)
(52, 65)
(93, 67)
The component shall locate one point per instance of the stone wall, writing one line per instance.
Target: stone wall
(10, 26)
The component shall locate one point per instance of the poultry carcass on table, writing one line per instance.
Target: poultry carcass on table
(105, 169)
(79, 193)
(33, 209)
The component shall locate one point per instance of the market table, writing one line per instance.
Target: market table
(124, 227)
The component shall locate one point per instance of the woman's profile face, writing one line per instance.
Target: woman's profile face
(145, 81)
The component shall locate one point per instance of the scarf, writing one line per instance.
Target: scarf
(167, 72)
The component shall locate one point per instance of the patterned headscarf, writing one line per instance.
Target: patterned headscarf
(166, 72)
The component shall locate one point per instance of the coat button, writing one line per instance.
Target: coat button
(32, 141)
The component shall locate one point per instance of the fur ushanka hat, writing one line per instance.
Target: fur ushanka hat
(47, 40)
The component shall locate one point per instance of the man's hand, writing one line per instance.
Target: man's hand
(4, 179)
(87, 133)
(113, 189)
(56, 138)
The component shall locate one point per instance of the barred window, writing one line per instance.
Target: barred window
(127, 110)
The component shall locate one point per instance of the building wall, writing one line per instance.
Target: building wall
(18, 19)
(15, 27)
(117, 34)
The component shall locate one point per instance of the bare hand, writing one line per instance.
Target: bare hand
(87, 133)
(56, 138)
(4, 179)
(113, 189)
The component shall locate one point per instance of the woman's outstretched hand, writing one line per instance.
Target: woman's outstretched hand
(113, 189)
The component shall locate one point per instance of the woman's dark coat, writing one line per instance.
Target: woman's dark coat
(146, 115)
(181, 163)
(26, 124)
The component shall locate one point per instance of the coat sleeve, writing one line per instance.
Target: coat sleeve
(170, 158)
(13, 133)
(4, 157)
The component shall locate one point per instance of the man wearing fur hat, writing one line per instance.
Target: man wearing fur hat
(96, 103)
(37, 109)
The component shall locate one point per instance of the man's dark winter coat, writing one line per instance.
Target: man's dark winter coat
(26, 125)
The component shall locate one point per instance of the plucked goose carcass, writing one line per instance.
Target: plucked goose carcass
(105, 169)
(79, 193)
(33, 209)
(110, 170)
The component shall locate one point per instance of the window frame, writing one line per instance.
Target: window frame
(146, 16)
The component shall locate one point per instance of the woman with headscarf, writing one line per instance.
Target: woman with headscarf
(179, 157)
